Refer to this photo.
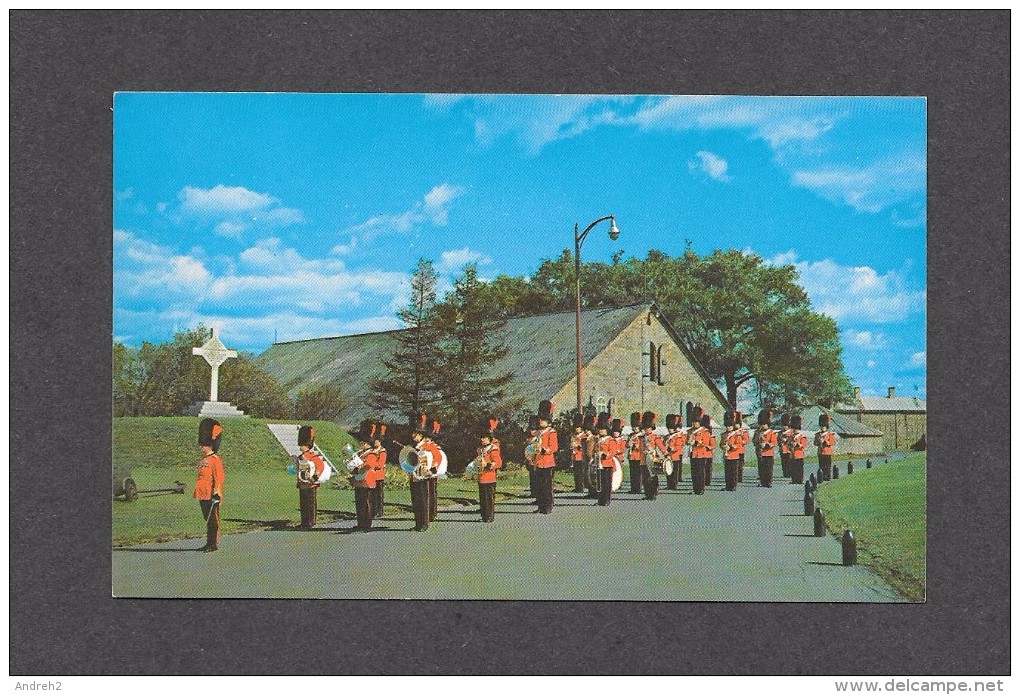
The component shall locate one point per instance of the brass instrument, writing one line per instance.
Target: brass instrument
(651, 456)
(478, 464)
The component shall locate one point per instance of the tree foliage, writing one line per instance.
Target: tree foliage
(163, 379)
(319, 402)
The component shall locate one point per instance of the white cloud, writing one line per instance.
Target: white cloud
(233, 230)
(919, 359)
(871, 364)
(852, 294)
(866, 340)
(712, 164)
(456, 259)
(344, 249)
(870, 188)
(434, 206)
(279, 217)
(144, 269)
(222, 199)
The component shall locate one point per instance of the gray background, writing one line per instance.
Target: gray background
(65, 67)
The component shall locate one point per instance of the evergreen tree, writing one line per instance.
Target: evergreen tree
(412, 383)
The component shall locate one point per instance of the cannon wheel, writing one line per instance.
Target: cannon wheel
(130, 490)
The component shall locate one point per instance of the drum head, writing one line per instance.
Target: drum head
(442, 463)
(327, 472)
(408, 459)
(667, 466)
(617, 474)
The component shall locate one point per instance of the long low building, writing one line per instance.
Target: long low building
(632, 358)
(903, 420)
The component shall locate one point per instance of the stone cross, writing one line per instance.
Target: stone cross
(215, 353)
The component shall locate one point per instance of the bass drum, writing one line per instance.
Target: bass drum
(408, 459)
(617, 474)
(667, 466)
(442, 464)
(327, 472)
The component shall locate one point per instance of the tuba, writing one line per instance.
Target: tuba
(478, 464)
(414, 463)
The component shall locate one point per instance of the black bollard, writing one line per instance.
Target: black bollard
(887, 461)
(868, 463)
(809, 503)
(850, 468)
(849, 548)
(819, 523)
(835, 472)
(814, 482)
(807, 487)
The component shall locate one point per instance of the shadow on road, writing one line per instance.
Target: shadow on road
(157, 550)
(824, 564)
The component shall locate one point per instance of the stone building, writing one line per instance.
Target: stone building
(855, 438)
(632, 358)
(902, 419)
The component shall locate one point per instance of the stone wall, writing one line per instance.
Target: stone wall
(900, 430)
(621, 372)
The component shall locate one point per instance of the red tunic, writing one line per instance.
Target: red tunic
(608, 450)
(767, 442)
(826, 442)
(548, 444)
(798, 445)
(365, 475)
(675, 444)
(733, 445)
(701, 447)
(210, 478)
(493, 460)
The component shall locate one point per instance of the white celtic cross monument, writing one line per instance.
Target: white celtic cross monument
(215, 353)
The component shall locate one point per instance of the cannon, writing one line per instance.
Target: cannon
(124, 485)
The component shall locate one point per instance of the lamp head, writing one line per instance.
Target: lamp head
(614, 231)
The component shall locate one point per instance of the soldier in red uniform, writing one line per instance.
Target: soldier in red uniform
(607, 450)
(634, 452)
(798, 447)
(430, 444)
(374, 457)
(675, 442)
(490, 459)
(309, 467)
(745, 439)
(784, 443)
(426, 463)
(530, 451)
(825, 440)
(652, 447)
(591, 450)
(578, 444)
(545, 458)
(378, 494)
(701, 450)
(765, 443)
(209, 485)
(730, 443)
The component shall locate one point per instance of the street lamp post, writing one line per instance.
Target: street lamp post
(614, 234)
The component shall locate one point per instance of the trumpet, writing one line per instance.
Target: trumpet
(478, 464)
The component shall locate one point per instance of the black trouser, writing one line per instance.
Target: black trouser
(308, 499)
(544, 483)
(606, 494)
(433, 498)
(211, 514)
(580, 473)
(363, 507)
(487, 500)
(533, 482)
(698, 475)
(785, 459)
(591, 482)
(635, 476)
(765, 466)
(378, 497)
(730, 473)
(708, 471)
(420, 503)
(797, 471)
(824, 467)
(740, 469)
(650, 484)
(674, 478)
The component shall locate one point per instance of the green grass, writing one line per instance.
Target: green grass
(259, 493)
(885, 508)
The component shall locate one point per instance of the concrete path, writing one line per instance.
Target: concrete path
(750, 545)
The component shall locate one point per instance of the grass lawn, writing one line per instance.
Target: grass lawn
(259, 493)
(885, 508)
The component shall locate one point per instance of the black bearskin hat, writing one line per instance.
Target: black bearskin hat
(796, 422)
(689, 413)
(738, 418)
(635, 420)
(588, 422)
(306, 436)
(648, 420)
(603, 423)
(765, 417)
(545, 411)
(706, 420)
(209, 433)
(671, 422)
(533, 422)
(728, 419)
(696, 414)
(617, 425)
(578, 420)
(784, 420)
(823, 420)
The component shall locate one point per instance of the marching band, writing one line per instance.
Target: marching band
(597, 453)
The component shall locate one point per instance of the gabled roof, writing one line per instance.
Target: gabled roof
(842, 425)
(882, 404)
(541, 355)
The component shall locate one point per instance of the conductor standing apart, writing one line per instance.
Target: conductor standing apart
(209, 486)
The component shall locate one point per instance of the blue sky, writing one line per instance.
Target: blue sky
(300, 215)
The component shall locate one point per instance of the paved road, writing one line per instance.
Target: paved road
(750, 545)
